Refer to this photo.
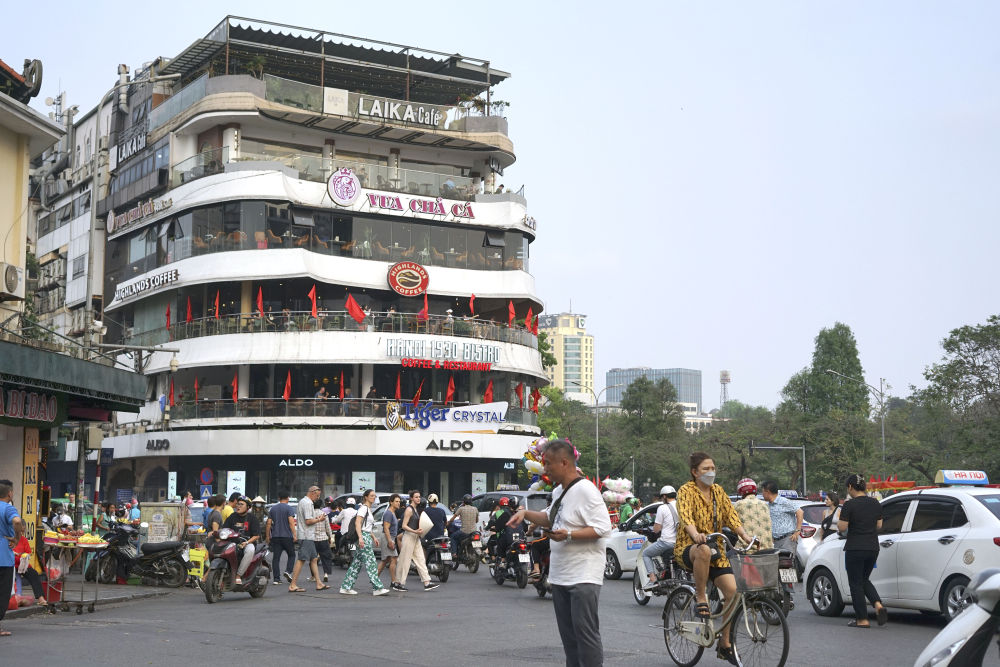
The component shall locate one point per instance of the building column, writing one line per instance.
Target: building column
(491, 181)
(394, 165)
(246, 297)
(443, 493)
(329, 155)
(243, 390)
(231, 141)
(367, 379)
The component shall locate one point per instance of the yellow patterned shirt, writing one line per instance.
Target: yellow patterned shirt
(694, 509)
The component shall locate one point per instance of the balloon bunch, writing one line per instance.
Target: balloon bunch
(618, 490)
(532, 461)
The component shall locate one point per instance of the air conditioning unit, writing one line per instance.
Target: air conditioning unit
(11, 281)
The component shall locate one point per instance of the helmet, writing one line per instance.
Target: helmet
(667, 490)
(502, 502)
(513, 501)
(633, 501)
(352, 501)
(467, 498)
(432, 498)
(746, 486)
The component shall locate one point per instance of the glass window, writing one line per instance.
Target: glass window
(278, 224)
(252, 217)
(992, 503)
(78, 266)
(373, 238)
(457, 254)
(893, 515)
(207, 228)
(162, 156)
(935, 514)
(136, 247)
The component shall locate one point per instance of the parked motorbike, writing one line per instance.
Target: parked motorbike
(470, 552)
(965, 640)
(514, 564)
(542, 585)
(668, 574)
(156, 563)
(225, 559)
(343, 553)
(437, 555)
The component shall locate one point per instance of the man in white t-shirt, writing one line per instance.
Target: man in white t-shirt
(579, 526)
(306, 518)
(666, 524)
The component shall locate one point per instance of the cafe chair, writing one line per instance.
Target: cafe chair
(272, 239)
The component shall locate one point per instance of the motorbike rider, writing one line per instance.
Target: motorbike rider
(245, 523)
(539, 550)
(628, 509)
(469, 516)
(666, 525)
(496, 525)
(437, 516)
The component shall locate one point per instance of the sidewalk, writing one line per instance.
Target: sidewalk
(108, 594)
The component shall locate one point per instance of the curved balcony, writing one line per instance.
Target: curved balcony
(292, 321)
(353, 411)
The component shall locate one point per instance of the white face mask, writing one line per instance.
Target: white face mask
(707, 478)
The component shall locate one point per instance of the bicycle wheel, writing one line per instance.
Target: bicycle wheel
(755, 635)
(680, 607)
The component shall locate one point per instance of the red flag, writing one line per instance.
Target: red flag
(312, 297)
(196, 390)
(287, 394)
(472, 301)
(171, 392)
(397, 387)
(423, 314)
(519, 390)
(341, 385)
(535, 395)
(450, 394)
(216, 304)
(354, 310)
(189, 318)
(236, 384)
(168, 315)
(527, 319)
(534, 326)
(510, 313)
(488, 394)
(260, 301)
(416, 398)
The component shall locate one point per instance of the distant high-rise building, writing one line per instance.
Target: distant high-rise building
(573, 348)
(686, 381)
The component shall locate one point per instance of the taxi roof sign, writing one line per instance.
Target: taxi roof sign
(965, 477)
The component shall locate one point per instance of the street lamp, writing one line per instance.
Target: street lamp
(879, 395)
(597, 426)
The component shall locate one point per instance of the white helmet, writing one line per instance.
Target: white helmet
(667, 490)
(352, 501)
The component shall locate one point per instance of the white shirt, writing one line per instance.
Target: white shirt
(579, 562)
(305, 510)
(62, 520)
(346, 517)
(668, 525)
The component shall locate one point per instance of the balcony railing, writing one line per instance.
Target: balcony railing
(387, 322)
(360, 408)
(206, 163)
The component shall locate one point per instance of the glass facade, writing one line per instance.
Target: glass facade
(686, 381)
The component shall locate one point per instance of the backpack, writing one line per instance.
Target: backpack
(352, 528)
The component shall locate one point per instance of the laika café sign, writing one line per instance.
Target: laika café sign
(483, 418)
(441, 350)
(384, 108)
(141, 285)
(28, 405)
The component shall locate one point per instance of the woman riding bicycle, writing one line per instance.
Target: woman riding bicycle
(703, 508)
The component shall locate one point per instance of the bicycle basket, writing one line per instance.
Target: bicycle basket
(755, 572)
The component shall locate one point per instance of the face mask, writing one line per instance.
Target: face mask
(707, 478)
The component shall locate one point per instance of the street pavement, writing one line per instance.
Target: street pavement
(467, 620)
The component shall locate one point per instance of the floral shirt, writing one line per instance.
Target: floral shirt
(756, 518)
(707, 517)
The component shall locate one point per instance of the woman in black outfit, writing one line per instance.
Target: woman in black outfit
(861, 518)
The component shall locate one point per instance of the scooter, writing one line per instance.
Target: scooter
(437, 556)
(542, 585)
(514, 564)
(667, 573)
(470, 552)
(156, 563)
(225, 560)
(965, 640)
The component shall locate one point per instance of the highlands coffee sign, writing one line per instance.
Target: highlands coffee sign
(146, 284)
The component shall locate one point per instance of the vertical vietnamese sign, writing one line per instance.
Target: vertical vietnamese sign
(236, 482)
(362, 481)
(29, 483)
(171, 485)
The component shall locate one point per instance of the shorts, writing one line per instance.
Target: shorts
(713, 572)
(386, 551)
(307, 551)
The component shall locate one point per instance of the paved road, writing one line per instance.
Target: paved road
(414, 628)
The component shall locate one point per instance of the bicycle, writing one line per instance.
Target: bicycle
(758, 629)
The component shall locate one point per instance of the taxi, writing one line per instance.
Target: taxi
(626, 541)
(933, 541)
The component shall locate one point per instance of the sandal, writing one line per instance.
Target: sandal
(854, 624)
(4, 633)
(296, 590)
(882, 615)
(703, 610)
(727, 653)
(534, 576)
(323, 587)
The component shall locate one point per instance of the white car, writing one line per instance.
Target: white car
(932, 542)
(625, 542)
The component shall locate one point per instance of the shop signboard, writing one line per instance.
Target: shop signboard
(408, 278)
(18, 406)
(29, 481)
(171, 485)
(361, 481)
(164, 521)
(478, 483)
(484, 418)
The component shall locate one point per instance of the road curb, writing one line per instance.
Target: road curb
(24, 612)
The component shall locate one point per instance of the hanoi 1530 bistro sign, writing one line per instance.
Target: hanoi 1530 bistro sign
(483, 418)
(441, 350)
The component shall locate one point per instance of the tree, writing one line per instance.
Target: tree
(816, 392)
(545, 350)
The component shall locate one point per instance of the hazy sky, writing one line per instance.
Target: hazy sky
(713, 183)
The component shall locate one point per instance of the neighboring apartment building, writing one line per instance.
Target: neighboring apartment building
(686, 381)
(573, 348)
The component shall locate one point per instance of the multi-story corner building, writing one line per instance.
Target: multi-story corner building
(310, 230)
(573, 349)
(686, 381)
